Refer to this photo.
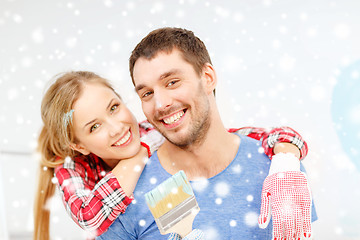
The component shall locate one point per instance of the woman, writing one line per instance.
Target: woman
(95, 148)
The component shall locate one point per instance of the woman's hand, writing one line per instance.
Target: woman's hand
(128, 171)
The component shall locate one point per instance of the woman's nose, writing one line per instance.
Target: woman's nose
(115, 127)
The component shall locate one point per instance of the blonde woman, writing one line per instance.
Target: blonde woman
(94, 150)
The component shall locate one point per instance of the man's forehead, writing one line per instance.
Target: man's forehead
(159, 67)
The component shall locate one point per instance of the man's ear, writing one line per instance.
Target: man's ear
(210, 79)
(80, 148)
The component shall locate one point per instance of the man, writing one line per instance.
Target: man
(173, 76)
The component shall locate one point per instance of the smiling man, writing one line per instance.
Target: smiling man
(175, 80)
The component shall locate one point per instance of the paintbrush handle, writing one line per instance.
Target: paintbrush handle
(184, 227)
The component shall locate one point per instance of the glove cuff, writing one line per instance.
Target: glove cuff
(284, 162)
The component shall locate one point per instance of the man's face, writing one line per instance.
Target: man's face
(173, 97)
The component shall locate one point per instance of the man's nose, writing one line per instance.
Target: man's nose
(162, 100)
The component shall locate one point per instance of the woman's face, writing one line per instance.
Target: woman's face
(103, 125)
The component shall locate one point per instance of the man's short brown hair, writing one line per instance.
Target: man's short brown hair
(165, 40)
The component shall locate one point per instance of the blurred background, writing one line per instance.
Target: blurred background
(279, 62)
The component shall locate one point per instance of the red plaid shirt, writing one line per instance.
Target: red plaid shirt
(94, 198)
(274, 135)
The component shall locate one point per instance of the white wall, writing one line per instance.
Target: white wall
(279, 62)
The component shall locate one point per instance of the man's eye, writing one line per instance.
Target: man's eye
(94, 127)
(171, 83)
(146, 94)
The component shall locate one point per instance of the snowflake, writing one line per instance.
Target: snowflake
(222, 12)
(26, 62)
(238, 17)
(55, 219)
(17, 18)
(218, 201)
(200, 184)
(67, 159)
(71, 42)
(24, 172)
(137, 168)
(153, 180)
(108, 3)
(355, 114)
(222, 189)
(15, 204)
(251, 219)
(54, 180)
(342, 30)
(38, 36)
(287, 63)
(250, 198)
(236, 168)
(19, 120)
(211, 233)
(355, 74)
(142, 222)
(157, 7)
(276, 44)
(12, 94)
(260, 150)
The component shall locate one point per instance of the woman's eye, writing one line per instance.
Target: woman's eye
(114, 107)
(94, 127)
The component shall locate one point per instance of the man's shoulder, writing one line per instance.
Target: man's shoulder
(152, 175)
(248, 141)
(251, 152)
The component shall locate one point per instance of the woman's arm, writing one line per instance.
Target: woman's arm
(128, 171)
(92, 198)
(275, 140)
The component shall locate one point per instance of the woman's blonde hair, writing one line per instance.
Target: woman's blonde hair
(55, 138)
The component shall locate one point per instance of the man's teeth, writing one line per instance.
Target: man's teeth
(124, 139)
(174, 118)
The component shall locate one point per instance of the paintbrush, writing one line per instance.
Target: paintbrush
(173, 205)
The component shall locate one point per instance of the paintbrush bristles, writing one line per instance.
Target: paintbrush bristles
(169, 202)
(169, 194)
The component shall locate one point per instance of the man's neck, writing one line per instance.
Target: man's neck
(207, 159)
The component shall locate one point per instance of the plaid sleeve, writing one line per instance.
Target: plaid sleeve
(274, 135)
(93, 206)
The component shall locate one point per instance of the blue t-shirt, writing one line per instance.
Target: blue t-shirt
(229, 202)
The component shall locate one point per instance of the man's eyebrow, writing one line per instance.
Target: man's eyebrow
(162, 76)
(168, 73)
(139, 87)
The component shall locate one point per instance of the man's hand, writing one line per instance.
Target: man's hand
(286, 196)
(195, 234)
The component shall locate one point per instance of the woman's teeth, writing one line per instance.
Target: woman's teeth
(123, 140)
(174, 118)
